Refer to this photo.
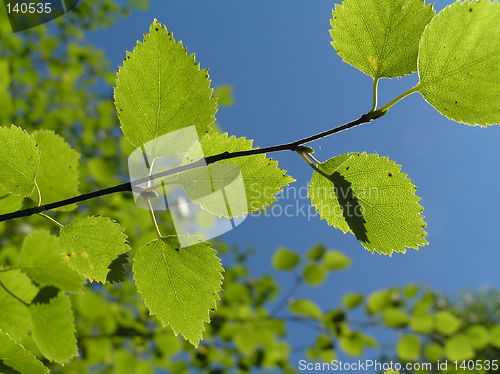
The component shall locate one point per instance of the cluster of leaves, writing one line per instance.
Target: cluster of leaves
(249, 330)
(159, 89)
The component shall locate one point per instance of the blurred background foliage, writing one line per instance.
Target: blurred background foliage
(52, 78)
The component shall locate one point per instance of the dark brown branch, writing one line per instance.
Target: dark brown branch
(293, 146)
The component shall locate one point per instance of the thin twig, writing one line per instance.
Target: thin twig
(125, 187)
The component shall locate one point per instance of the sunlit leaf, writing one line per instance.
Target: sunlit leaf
(160, 88)
(285, 259)
(380, 37)
(53, 329)
(40, 259)
(57, 175)
(305, 308)
(179, 285)
(459, 62)
(16, 357)
(90, 244)
(408, 348)
(368, 196)
(19, 160)
(458, 348)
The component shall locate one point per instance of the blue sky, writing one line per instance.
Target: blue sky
(289, 83)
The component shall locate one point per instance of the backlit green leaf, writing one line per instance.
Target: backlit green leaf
(57, 175)
(316, 253)
(160, 88)
(224, 95)
(19, 160)
(14, 316)
(495, 336)
(179, 285)
(478, 336)
(352, 300)
(380, 37)
(262, 177)
(459, 62)
(40, 259)
(368, 196)
(314, 274)
(458, 348)
(305, 308)
(378, 301)
(336, 260)
(422, 321)
(446, 323)
(53, 329)
(285, 259)
(433, 351)
(15, 356)
(90, 244)
(408, 348)
(394, 317)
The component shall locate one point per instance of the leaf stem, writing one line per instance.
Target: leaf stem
(306, 159)
(51, 219)
(153, 218)
(375, 94)
(39, 193)
(399, 98)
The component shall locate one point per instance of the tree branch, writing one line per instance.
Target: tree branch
(293, 146)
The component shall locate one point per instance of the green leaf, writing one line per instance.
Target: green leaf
(40, 259)
(305, 308)
(336, 260)
(458, 348)
(316, 253)
(285, 259)
(378, 301)
(459, 62)
(19, 160)
(262, 177)
(314, 274)
(446, 323)
(422, 321)
(57, 175)
(408, 348)
(394, 317)
(433, 352)
(478, 336)
(224, 95)
(15, 356)
(411, 290)
(53, 329)
(352, 300)
(179, 285)
(368, 196)
(355, 343)
(14, 316)
(380, 37)
(495, 336)
(160, 88)
(90, 244)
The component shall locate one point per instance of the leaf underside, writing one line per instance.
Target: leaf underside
(459, 62)
(368, 196)
(160, 88)
(180, 286)
(380, 37)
